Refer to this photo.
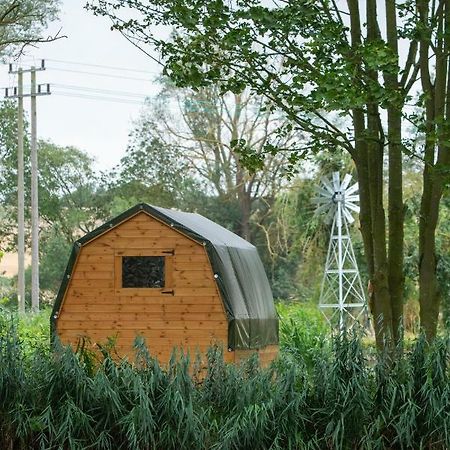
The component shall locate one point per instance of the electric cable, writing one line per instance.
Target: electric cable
(99, 74)
(100, 66)
(98, 98)
(100, 91)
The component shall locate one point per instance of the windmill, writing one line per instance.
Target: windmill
(342, 297)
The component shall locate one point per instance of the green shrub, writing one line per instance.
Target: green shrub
(303, 331)
(33, 330)
(67, 400)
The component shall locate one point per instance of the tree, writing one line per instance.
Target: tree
(201, 128)
(313, 60)
(22, 22)
(67, 186)
(150, 171)
(68, 190)
(55, 251)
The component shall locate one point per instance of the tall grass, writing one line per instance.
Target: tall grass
(337, 399)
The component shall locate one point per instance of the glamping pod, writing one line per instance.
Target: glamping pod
(175, 278)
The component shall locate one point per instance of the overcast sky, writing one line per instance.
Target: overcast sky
(97, 126)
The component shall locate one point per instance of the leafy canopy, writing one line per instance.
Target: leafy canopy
(297, 55)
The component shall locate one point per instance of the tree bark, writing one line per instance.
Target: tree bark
(245, 206)
(360, 155)
(395, 189)
(368, 157)
(382, 310)
(436, 159)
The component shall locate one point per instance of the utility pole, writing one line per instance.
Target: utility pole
(34, 201)
(20, 201)
(18, 93)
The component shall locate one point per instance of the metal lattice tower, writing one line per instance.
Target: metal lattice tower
(342, 297)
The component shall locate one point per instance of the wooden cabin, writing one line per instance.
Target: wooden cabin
(175, 278)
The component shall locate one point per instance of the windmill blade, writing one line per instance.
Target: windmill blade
(352, 198)
(352, 189)
(336, 181)
(324, 192)
(321, 200)
(324, 208)
(327, 185)
(346, 182)
(352, 207)
(348, 216)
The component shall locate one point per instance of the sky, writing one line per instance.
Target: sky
(88, 111)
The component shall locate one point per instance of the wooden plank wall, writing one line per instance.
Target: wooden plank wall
(193, 318)
(266, 355)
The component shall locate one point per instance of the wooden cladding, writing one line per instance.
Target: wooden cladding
(185, 312)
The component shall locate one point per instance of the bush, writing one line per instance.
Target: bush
(303, 331)
(67, 400)
(33, 330)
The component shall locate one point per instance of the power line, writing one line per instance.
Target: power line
(101, 66)
(124, 69)
(101, 91)
(94, 97)
(105, 98)
(107, 75)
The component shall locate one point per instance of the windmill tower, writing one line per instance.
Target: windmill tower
(342, 297)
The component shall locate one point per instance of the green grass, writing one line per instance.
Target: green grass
(323, 394)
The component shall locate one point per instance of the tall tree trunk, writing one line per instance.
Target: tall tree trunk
(242, 193)
(436, 158)
(360, 155)
(380, 281)
(395, 190)
(368, 157)
(429, 292)
(245, 205)
(382, 311)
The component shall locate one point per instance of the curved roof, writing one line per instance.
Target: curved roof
(238, 271)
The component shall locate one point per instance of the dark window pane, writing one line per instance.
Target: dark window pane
(143, 271)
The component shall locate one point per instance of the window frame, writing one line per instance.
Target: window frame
(168, 271)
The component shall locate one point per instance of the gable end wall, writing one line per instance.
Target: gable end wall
(193, 318)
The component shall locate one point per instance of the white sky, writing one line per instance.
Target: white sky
(97, 126)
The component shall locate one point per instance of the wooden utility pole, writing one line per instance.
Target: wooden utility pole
(34, 201)
(18, 93)
(20, 200)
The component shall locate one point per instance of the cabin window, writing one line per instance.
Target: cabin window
(143, 271)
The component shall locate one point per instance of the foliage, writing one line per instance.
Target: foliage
(77, 401)
(8, 293)
(32, 330)
(68, 202)
(8, 171)
(68, 400)
(55, 251)
(67, 190)
(297, 55)
(22, 22)
(333, 70)
(303, 331)
(150, 171)
(293, 240)
(67, 185)
(185, 134)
